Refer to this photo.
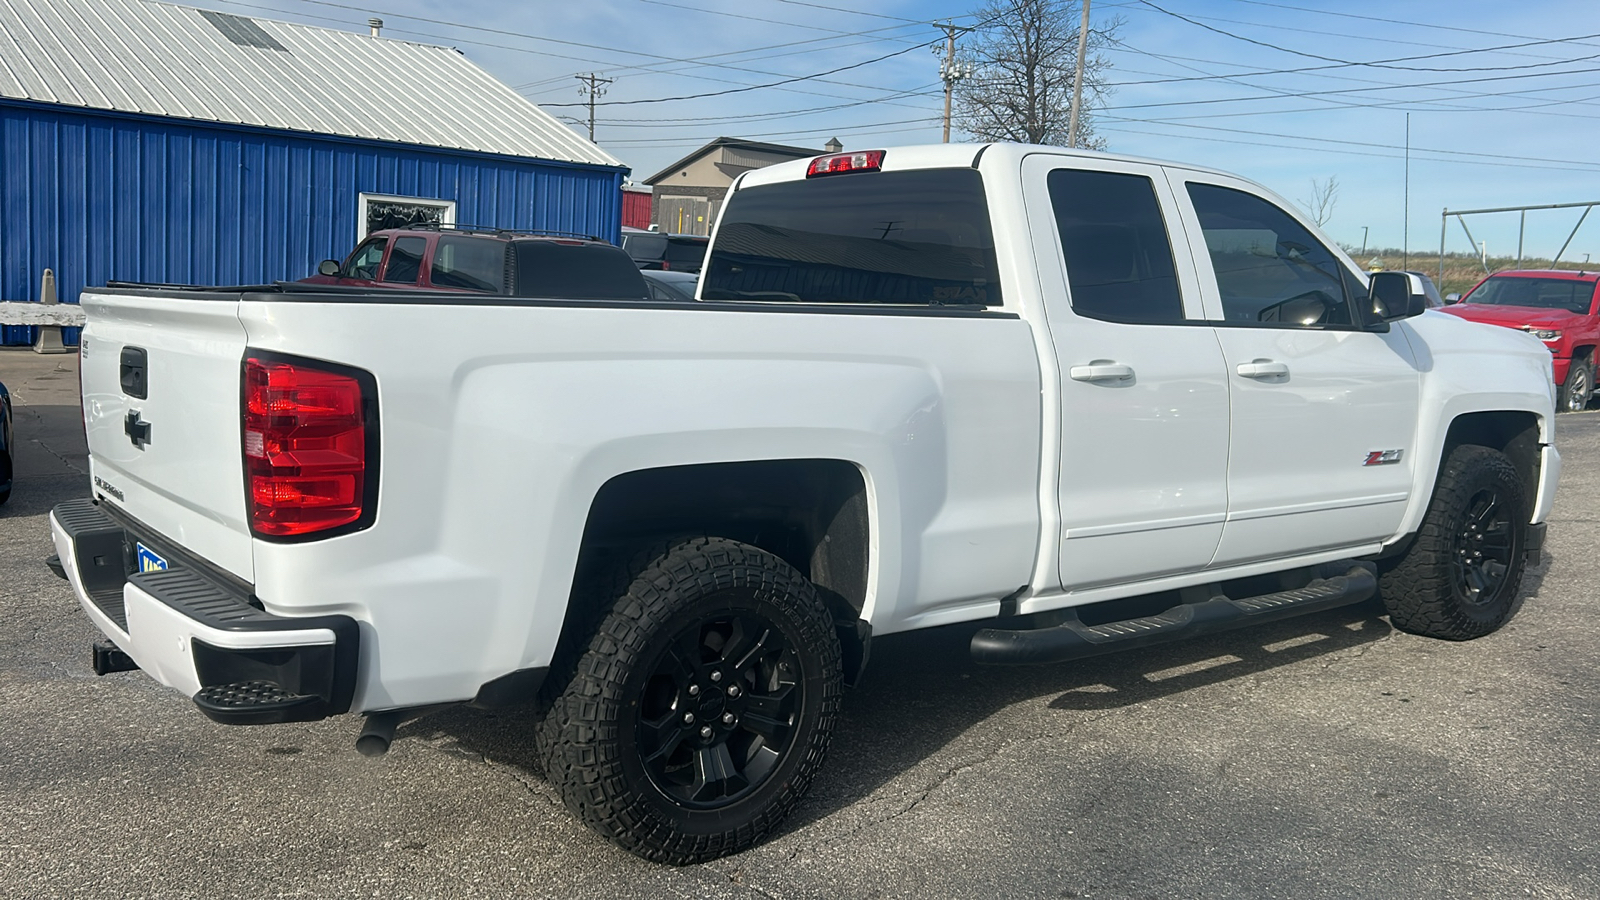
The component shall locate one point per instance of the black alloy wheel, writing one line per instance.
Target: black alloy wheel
(1483, 548)
(719, 708)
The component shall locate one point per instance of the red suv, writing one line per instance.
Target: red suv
(517, 264)
(1556, 306)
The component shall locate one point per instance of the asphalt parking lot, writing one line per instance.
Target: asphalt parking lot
(1327, 756)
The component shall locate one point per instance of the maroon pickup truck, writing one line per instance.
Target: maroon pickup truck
(512, 263)
(1557, 306)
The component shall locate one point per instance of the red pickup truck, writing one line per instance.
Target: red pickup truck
(1554, 305)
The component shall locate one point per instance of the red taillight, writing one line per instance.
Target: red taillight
(305, 446)
(839, 163)
(666, 266)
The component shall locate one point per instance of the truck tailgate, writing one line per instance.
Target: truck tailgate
(161, 397)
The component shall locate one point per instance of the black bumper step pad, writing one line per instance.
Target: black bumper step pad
(258, 702)
(1074, 640)
(100, 546)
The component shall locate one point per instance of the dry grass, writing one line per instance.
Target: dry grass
(1461, 271)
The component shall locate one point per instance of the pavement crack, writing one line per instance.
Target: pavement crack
(62, 459)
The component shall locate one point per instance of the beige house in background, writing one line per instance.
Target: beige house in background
(688, 194)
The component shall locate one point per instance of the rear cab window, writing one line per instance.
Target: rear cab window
(1114, 241)
(918, 237)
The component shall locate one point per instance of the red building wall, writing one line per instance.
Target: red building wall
(635, 208)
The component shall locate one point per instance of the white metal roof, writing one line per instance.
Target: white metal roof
(140, 56)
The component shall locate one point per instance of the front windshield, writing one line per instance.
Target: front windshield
(1569, 294)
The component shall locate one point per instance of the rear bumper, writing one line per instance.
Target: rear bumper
(198, 633)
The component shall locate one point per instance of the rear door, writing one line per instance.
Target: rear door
(1323, 411)
(161, 394)
(404, 265)
(1144, 399)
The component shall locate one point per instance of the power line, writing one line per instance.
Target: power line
(926, 121)
(720, 12)
(1379, 63)
(784, 114)
(1393, 87)
(534, 37)
(755, 87)
(1464, 162)
(1493, 156)
(1431, 26)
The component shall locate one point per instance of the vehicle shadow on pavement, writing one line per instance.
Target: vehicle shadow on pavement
(922, 692)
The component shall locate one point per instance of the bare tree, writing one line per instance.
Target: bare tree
(1025, 59)
(1324, 196)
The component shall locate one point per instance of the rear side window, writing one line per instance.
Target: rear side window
(571, 271)
(1119, 262)
(919, 237)
(405, 260)
(1270, 270)
(476, 264)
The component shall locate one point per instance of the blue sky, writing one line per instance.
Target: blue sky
(1505, 109)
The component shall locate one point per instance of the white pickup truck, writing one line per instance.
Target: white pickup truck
(1084, 401)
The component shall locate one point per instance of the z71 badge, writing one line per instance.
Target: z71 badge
(1383, 457)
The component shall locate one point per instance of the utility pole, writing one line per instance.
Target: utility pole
(1405, 230)
(1077, 79)
(591, 88)
(950, 71)
(1363, 240)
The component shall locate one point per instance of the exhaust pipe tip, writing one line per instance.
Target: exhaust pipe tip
(378, 733)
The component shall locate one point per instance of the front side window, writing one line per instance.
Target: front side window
(365, 261)
(1535, 293)
(1119, 262)
(405, 260)
(473, 263)
(918, 237)
(1270, 269)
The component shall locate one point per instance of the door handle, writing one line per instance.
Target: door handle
(1101, 370)
(1263, 368)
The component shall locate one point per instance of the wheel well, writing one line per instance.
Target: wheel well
(1584, 353)
(811, 513)
(1516, 434)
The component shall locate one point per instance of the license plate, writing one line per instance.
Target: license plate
(149, 560)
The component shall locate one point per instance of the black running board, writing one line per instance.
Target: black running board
(1074, 640)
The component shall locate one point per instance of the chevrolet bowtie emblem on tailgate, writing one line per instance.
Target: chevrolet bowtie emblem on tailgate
(1383, 457)
(137, 431)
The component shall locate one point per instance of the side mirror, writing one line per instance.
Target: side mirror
(1396, 295)
(1452, 298)
(328, 267)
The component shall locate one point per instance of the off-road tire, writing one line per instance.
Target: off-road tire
(1579, 387)
(1438, 588)
(717, 600)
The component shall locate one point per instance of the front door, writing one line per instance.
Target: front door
(1323, 409)
(1143, 400)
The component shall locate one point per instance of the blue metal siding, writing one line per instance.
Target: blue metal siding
(104, 198)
